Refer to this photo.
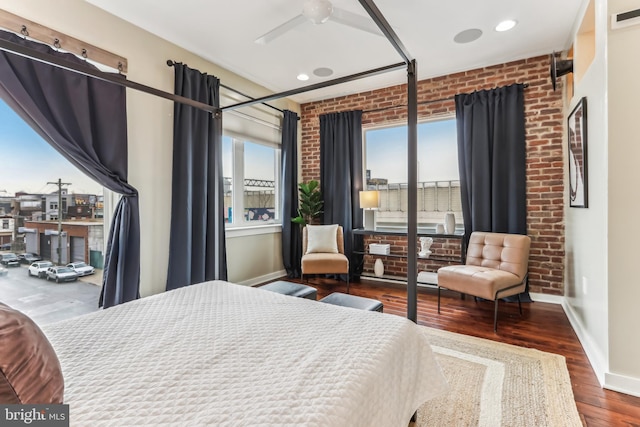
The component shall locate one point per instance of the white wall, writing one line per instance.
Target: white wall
(150, 125)
(586, 289)
(254, 261)
(602, 291)
(624, 202)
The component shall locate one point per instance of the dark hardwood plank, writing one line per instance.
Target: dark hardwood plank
(542, 326)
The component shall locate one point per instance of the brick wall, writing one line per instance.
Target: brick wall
(544, 132)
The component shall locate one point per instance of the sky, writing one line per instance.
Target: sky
(27, 162)
(258, 160)
(386, 152)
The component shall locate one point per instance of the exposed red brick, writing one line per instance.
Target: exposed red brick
(545, 167)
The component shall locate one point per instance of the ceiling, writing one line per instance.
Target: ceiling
(223, 32)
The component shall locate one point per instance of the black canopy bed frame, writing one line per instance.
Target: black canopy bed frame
(412, 116)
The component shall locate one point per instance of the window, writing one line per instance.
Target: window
(251, 173)
(5, 224)
(438, 177)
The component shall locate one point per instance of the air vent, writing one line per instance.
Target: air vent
(625, 19)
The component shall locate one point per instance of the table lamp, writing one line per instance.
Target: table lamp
(369, 202)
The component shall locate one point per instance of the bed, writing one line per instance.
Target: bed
(222, 354)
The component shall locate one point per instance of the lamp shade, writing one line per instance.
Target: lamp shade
(369, 199)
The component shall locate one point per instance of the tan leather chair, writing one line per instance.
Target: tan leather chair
(496, 267)
(325, 263)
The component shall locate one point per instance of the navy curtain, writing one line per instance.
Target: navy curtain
(85, 120)
(291, 236)
(341, 177)
(197, 249)
(491, 160)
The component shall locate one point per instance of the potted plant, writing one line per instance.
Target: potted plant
(310, 202)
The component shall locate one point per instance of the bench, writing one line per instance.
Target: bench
(293, 289)
(353, 301)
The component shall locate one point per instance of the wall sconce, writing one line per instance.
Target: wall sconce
(369, 201)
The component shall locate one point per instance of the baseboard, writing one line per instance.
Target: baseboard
(261, 279)
(622, 384)
(551, 299)
(596, 358)
(615, 382)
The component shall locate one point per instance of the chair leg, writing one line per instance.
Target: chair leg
(495, 317)
(438, 299)
(519, 305)
(347, 283)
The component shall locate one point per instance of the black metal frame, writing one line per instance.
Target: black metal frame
(315, 86)
(496, 298)
(412, 138)
(171, 63)
(412, 115)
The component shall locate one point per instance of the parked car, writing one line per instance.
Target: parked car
(61, 274)
(3, 271)
(10, 260)
(5, 247)
(81, 268)
(39, 268)
(29, 258)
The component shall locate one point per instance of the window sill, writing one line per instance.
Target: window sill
(253, 230)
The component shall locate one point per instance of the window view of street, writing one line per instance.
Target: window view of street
(51, 227)
(251, 171)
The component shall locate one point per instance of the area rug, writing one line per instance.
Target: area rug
(494, 384)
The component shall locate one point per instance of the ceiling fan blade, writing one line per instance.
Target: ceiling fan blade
(281, 29)
(350, 19)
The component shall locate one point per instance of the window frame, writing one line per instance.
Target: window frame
(237, 184)
(398, 124)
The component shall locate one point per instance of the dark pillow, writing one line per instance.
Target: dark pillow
(29, 368)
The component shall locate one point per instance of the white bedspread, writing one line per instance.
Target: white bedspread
(227, 355)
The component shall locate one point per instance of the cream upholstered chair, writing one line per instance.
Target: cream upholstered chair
(323, 251)
(496, 267)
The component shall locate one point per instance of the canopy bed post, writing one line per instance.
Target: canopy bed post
(412, 154)
(412, 191)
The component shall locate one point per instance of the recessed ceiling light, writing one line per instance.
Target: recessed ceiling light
(506, 25)
(467, 36)
(323, 72)
(302, 77)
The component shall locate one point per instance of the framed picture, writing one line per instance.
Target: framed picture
(578, 194)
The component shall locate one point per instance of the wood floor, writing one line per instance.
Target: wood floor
(542, 326)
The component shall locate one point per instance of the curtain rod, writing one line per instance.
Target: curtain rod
(430, 101)
(171, 63)
(100, 75)
(35, 31)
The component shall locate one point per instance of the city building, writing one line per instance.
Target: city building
(81, 241)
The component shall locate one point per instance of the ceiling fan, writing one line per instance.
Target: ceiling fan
(319, 12)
